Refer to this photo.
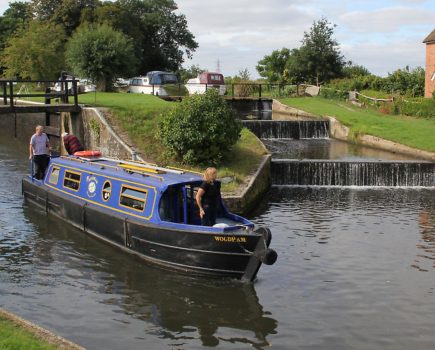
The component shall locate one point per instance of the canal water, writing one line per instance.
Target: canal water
(356, 270)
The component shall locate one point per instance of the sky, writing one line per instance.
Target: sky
(382, 35)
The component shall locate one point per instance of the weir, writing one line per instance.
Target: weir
(283, 129)
(352, 173)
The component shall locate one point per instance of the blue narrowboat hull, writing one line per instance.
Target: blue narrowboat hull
(237, 253)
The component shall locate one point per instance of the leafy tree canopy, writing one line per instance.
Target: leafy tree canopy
(316, 61)
(13, 18)
(352, 71)
(188, 73)
(35, 52)
(160, 36)
(272, 66)
(101, 53)
(320, 53)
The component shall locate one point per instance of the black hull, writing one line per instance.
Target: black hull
(237, 255)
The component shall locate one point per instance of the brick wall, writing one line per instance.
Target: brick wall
(430, 69)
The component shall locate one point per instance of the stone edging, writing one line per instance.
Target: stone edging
(342, 132)
(40, 332)
(285, 112)
(114, 134)
(257, 186)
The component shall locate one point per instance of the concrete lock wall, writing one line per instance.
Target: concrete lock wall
(95, 133)
(19, 127)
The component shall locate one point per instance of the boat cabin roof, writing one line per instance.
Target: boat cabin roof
(211, 78)
(148, 174)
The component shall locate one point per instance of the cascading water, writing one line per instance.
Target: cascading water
(351, 173)
(280, 129)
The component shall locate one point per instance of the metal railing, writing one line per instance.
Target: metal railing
(252, 90)
(67, 88)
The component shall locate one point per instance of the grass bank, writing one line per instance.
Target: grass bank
(13, 337)
(410, 131)
(139, 116)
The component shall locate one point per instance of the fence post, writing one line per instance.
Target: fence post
(5, 97)
(11, 93)
(232, 90)
(75, 92)
(47, 101)
(66, 92)
(259, 90)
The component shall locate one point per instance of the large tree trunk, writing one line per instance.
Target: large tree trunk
(102, 84)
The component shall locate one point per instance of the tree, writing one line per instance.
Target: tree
(100, 53)
(201, 129)
(188, 73)
(273, 66)
(296, 71)
(13, 18)
(353, 71)
(160, 35)
(36, 52)
(405, 81)
(320, 53)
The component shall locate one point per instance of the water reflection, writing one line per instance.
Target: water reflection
(426, 224)
(182, 308)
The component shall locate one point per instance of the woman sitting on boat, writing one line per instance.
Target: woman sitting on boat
(207, 197)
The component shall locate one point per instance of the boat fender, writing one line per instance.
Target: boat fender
(269, 256)
(265, 231)
(88, 153)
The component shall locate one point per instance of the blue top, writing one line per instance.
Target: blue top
(160, 179)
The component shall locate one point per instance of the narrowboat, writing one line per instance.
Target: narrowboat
(157, 83)
(206, 80)
(150, 212)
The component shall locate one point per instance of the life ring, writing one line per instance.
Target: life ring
(88, 154)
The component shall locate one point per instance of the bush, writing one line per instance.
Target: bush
(333, 94)
(200, 130)
(422, 108)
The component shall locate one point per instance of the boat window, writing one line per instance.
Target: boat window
(175, 207)
(133, 198)
(54, 176)
(169, 79)
(107, 190)
(72, 180)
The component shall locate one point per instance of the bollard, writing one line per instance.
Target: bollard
(133, 155)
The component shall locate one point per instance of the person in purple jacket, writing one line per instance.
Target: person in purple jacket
(39, 152)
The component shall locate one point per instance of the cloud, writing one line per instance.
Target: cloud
(386, 20)
(239, 33)
(382, 59)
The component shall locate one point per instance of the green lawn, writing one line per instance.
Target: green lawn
(410, 131)
(139, 116)
(13, 337)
